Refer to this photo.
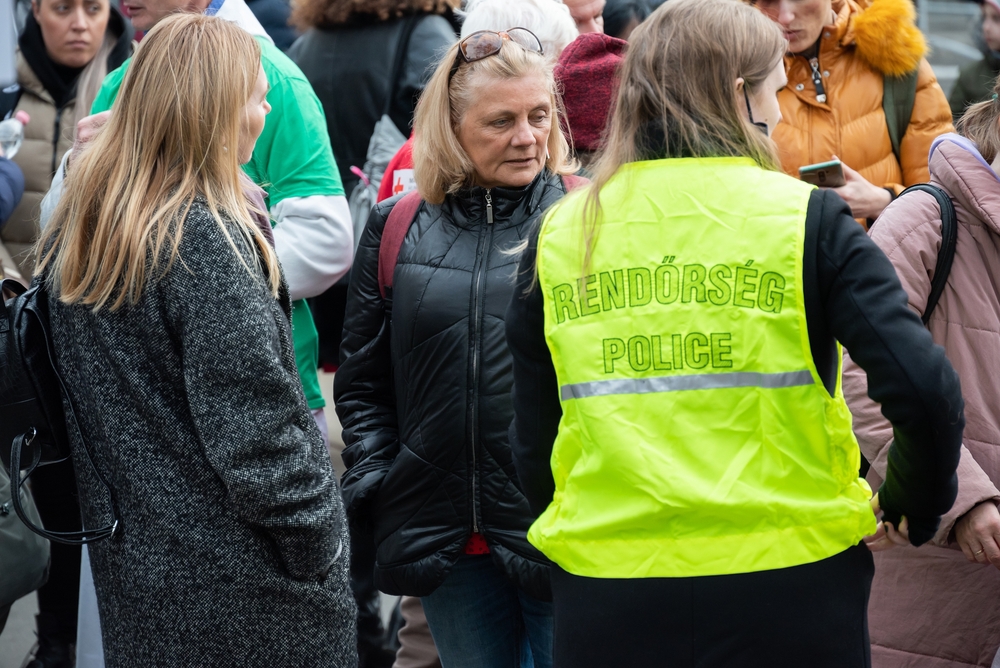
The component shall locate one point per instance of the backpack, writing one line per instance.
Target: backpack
(385, 141)
(403, 213)
(949, 241)
(898, 96)
(32, 398)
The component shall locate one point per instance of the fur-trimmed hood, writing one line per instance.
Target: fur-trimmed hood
(864, 41)
(883, 32)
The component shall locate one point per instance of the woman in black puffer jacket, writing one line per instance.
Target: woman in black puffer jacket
(423, 389)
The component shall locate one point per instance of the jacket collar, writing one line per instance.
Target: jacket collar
(125, 36)
(956, 164)
(990, 57)
(28, 80)
(470, 203)
(843, 29)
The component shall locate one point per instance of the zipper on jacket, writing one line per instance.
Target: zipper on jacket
(817, 78)
(479, 278)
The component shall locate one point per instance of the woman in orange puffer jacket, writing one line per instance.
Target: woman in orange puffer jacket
(842, 49)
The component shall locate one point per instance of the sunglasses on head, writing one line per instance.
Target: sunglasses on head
(485, 43)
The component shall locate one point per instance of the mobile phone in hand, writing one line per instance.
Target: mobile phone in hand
(824, 174)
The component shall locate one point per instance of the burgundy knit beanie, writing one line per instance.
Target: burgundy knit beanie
(587, 73)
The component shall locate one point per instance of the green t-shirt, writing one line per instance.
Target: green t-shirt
(292, 158)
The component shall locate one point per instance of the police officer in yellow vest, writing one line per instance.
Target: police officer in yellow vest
(679, 422)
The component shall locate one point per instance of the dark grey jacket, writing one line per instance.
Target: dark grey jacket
(229, 511)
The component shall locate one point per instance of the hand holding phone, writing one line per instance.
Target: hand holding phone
(824, 174)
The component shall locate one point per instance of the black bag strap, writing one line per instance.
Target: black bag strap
(17, 481)
(949, 241)
(17, 478)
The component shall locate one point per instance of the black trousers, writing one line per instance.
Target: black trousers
(328, 315)
(371, 633)
(54, 489)
(812, 615)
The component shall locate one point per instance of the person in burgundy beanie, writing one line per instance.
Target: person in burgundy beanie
(587, 74)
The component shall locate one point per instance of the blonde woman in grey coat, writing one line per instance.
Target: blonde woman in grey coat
(170, 319)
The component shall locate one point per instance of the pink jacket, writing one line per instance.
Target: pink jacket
(929, 606)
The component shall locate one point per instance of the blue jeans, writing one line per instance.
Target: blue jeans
(479, 619)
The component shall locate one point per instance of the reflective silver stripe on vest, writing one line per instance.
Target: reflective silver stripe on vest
(704, 381)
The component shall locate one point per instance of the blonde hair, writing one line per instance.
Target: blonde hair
(981, 124)
(679, 74)
(440, 165)
(172, 136)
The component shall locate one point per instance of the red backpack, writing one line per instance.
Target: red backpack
(399, 221)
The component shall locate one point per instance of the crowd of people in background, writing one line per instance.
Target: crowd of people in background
(616, 386)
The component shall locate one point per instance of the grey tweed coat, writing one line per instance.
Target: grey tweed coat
(230, 516)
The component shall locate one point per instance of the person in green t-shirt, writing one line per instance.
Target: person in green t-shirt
(294, 165)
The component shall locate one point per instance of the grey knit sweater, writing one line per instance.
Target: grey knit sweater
(191, 404)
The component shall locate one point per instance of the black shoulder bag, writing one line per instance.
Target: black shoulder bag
(32, 416)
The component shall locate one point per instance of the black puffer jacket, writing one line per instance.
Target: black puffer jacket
(425, 401)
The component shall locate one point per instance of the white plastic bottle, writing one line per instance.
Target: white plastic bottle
(12, 133)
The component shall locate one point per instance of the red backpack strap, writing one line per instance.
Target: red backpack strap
(396, 226)
(573, 181)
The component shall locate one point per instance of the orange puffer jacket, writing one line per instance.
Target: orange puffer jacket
(868, 41)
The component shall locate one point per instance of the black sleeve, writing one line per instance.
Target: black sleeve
(865, 307)
(535, 395)
(362, 388)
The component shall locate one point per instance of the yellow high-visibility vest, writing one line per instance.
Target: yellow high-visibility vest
(697, 437)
